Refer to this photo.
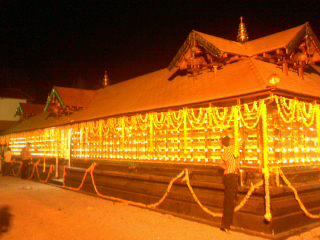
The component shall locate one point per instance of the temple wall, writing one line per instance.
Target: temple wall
(291, 143)
(189, 135)
(186, 136)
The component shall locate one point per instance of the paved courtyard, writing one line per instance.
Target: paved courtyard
(30, 210)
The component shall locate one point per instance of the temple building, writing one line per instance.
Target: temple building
(140, 133)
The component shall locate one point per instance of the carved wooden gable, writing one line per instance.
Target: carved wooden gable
(300, 54)
(198, 54)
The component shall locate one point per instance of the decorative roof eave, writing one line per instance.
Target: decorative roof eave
(193, 36)
(208, 46)
(306, 30)
(54, 93)
(19, 111)
(313, 36)
(293, 44)
(294, 94)
(255, 54)
(296, 40)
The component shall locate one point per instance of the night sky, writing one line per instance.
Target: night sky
(71, 43)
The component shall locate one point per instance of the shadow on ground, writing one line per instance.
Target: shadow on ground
(5, 219)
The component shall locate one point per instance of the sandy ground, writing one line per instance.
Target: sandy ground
(40, 211)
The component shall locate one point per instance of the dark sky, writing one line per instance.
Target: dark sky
(67, 43)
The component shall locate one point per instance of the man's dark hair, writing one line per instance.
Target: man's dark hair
(225, 141)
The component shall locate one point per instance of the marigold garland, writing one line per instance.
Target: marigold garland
(236, 131)
(318, 125)
(183, 175)
(253, 109)
(266, 173)
(297, 197)
(257, 115)
(282, 113)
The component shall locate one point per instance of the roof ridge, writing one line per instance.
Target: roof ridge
(31, 103)
(272, 34)
(225, 39)
(74, 88)
(243, 44)
(136, 77)
(256, 71)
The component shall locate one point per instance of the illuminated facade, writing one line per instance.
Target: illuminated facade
(190, 135)
(264, 93)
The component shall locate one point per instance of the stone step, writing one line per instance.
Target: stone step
(57, 181)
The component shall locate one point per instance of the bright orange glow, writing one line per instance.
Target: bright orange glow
(187, 135)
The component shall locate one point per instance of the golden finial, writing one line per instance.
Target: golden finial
(242, 32)
(106, 80)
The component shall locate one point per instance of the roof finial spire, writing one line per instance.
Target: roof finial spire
(106, 80)
(242, 32)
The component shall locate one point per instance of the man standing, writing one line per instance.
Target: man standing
(7, 161)
(230, 181)
(1, 157)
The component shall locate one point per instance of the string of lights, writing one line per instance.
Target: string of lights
(190, 135)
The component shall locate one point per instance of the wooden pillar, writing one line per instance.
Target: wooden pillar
(70, 147)
(301, 72)
(265, 149)
(285, 67)
(57, 166)
(44, 164)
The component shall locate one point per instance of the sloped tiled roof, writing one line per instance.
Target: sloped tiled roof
(6, 125)
(309, 86)
(154, 91)
(75, 96)
(274, 41)
(225, 45)
(31, 108)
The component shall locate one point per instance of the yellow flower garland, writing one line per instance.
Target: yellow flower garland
(266, 172)
(236, 131)
(257, 116)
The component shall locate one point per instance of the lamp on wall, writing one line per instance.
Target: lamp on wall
(274, 80)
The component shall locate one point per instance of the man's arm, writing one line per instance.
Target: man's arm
(223, 163)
